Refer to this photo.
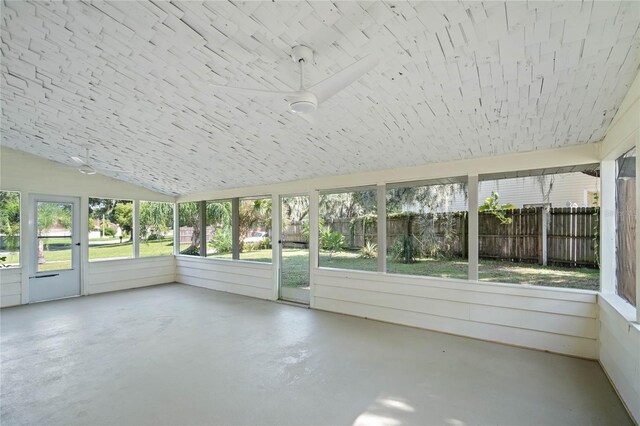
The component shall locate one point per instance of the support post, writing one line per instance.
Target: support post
(135, 231)
(472, 188)
(637, 235)
(176, 229)
(276, 247)
(381, 224)
(608, 226)
(235, 226)
(314, 224)
(203, 228)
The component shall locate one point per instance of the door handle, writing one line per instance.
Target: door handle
(77, 244)
(45, 276)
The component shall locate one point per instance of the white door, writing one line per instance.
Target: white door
(54, 263)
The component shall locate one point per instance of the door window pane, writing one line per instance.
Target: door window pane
(254, 222)
(54, 236)
(156, 229)
(427, 230)
(110, 228)
(10, 228)
(219, 239)
(294, 268)
(348, 234)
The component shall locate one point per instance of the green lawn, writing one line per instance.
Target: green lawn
(295, 265)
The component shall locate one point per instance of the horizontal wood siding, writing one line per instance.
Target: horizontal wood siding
(562, 321)
(233, 276)
(10, 287)
(620, 354)
(113, 275)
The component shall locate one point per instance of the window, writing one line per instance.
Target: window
(156, 229)
(427, 229)
(219, 233)
(10, 228)
(110, 228)
(255, 234)
(189, 224)
(348, 233)
(540, 227)
(626, 226)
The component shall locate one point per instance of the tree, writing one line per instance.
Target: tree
(10, 218)
(491, 205)
(252, 214)
(218, 213)
(123, 216)
(155, 218)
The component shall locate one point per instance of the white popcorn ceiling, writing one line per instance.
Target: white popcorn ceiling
(456, 80)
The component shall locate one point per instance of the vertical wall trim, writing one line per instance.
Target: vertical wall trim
(276, 235)
(472, 188)
(136, 229)
(235, 226)
(314, 224)
(176, 229)
(203, 228)
(381, 198)
(84, 245)
(608, 226)
(25, 244)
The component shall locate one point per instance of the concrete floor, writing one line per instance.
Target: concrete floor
(176, 354)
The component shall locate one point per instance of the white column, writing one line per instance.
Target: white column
(382, 227)
(235, 227)
(84, 245)
(136, 228)
(472, 189)
(314, 211)
(26, 232)
(608, 226)
(176, 230)
(276, 235)
(203, 229)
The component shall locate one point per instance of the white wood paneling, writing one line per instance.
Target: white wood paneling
(455, 80)
(240, 277)
(620, 351)
(113, 275)
(10, 287)
(556, 320)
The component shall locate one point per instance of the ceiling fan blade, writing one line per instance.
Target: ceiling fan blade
(78, 160)
(115, 170)
(332, 85)
(253, 92)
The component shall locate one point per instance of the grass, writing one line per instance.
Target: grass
(295, 265)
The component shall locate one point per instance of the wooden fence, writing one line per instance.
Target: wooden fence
(562, 236)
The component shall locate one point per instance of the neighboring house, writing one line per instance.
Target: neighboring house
(568, 190)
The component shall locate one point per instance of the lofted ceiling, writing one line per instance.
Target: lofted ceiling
(133, 81)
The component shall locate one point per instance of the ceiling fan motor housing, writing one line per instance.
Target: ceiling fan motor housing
(304, 103)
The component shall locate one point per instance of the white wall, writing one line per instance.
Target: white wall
(240, 277)
(30, 174)
(620, 321)
(555, 320)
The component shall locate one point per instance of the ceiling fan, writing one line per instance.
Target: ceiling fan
(86, 168)
(306, 100)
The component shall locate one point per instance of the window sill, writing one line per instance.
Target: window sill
(622, 307)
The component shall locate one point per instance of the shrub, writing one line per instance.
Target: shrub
(222, 241)
(331, 241)
(250, 246)
(265, 244)
(109, 231)
(406, 249)
(191, 251)
(369, 251)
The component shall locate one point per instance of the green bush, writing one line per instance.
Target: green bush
(191, 251)
(405, 248)
(222, 241)
(369, 251)
(265, 244)
(331, 241)
(109, 231)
